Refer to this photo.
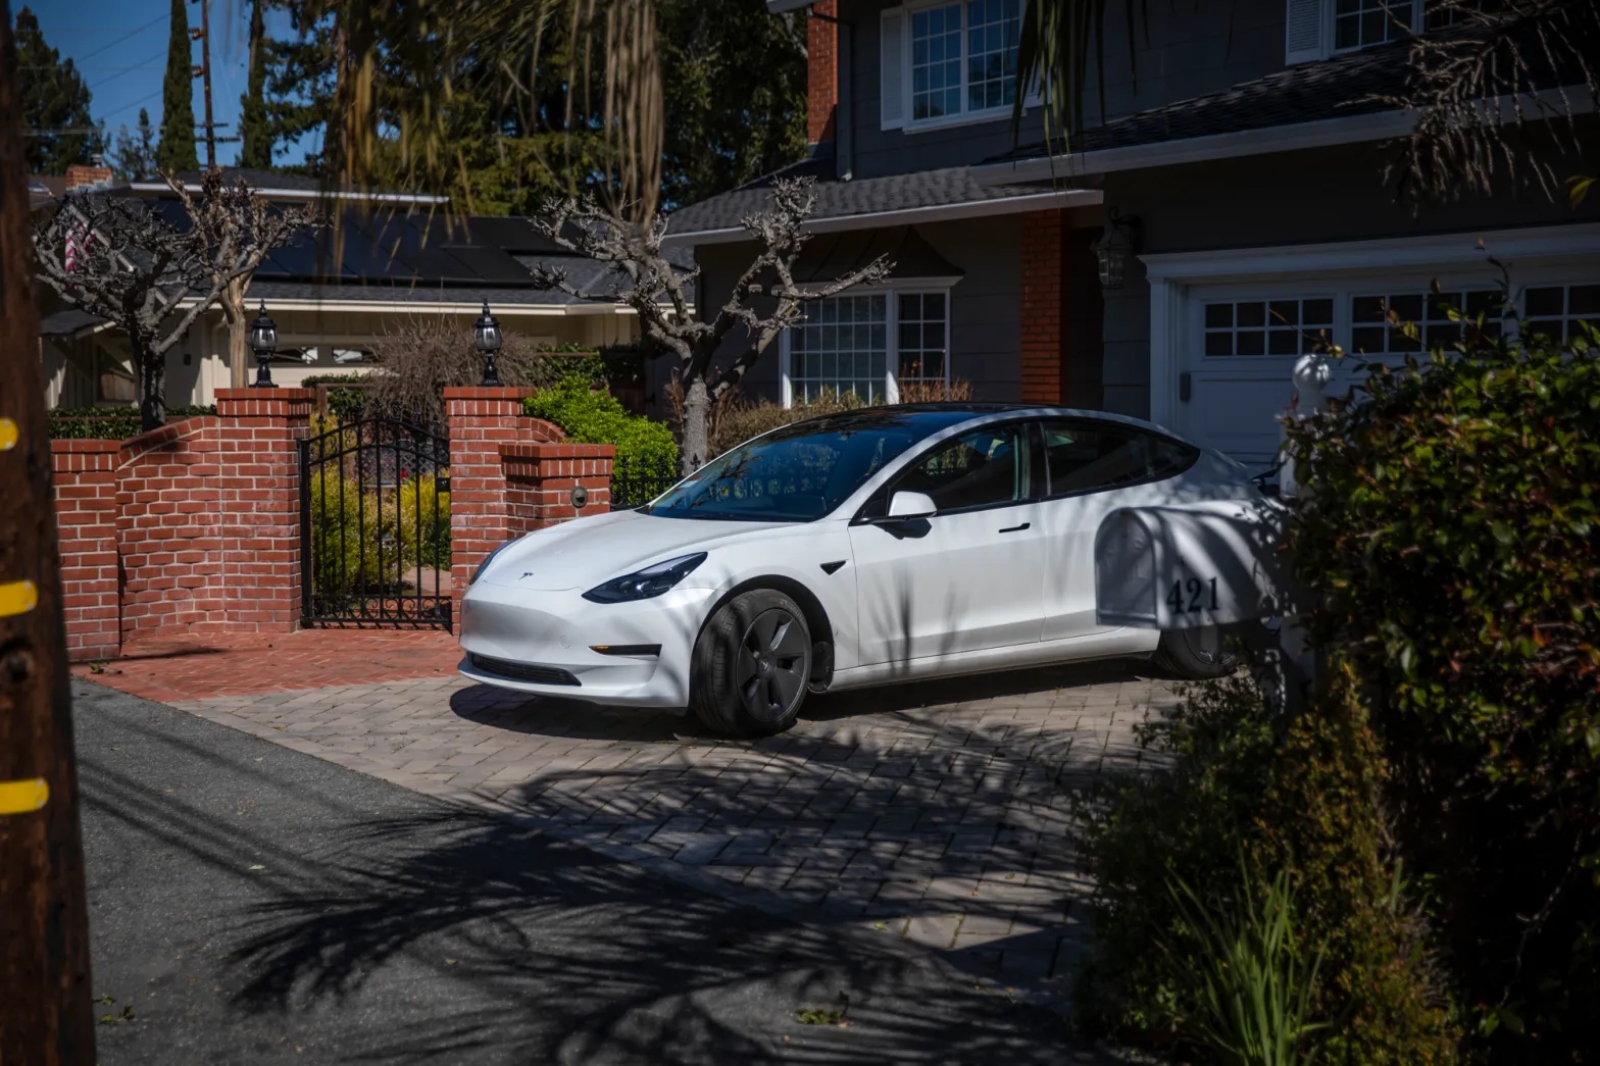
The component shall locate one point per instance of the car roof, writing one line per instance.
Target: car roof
(930, 418)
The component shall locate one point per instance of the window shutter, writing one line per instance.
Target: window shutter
(892, 68)
(1305, 33)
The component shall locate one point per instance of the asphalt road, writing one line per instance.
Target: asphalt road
(249, 904)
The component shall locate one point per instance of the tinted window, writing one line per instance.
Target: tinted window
(1084, 457)
(797, 473)
(979, 469)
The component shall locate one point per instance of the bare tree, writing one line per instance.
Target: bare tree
(238, 230)
(763, 302)
(122, 260)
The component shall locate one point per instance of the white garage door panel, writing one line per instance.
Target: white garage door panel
(1236, 412)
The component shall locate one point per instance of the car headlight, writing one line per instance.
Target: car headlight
(487, 559)
(643, 584)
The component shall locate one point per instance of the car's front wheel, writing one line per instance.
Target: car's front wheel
(751, 665)
(1197, 654)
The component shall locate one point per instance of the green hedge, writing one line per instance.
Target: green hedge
(110, 423)
(590, 417)
(1451, 527)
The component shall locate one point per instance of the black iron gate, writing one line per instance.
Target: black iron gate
(375, 524)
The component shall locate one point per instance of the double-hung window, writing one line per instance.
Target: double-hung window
(945, 61)
(868, 344)
(1317, 29)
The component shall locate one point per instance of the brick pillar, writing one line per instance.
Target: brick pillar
(510, 474)
(822, 73)
(84, 477)
(256, 488)
(1043, 349)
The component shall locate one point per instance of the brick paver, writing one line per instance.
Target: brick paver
(172, 669)
(936, 813)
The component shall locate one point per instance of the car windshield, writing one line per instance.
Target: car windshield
(800, 472)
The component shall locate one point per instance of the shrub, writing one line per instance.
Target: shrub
(1297, 800)
(110, 423)
(589, 416)
(1450, 524)
(422, 523)
(348, 528)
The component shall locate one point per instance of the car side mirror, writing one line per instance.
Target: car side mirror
(911, 505)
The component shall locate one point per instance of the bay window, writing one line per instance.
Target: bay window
(867, 344)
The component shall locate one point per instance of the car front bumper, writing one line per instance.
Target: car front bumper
(539, 635)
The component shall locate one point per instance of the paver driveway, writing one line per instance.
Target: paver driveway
(932, 812)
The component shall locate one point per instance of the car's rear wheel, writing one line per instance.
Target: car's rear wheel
(751, 665)
(1197, 654)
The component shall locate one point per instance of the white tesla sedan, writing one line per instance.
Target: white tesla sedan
(857, 549)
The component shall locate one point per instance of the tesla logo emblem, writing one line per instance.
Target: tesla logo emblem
(526, 574)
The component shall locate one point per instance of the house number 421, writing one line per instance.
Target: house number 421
(1193, 596)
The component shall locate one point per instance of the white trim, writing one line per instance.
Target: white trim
(1299, 136)
(313, 194)
(413, 307)
(964, 117)
(1056, 199)
(1390, 253)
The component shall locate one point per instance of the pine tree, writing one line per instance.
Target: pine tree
(133, 158)
(177, 151)
(256, 151)
(54, 97)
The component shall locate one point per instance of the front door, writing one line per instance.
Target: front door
(966, 579)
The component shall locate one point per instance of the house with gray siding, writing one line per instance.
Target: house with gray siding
(1243, 170)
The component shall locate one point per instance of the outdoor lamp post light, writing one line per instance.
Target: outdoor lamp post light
(264, 342)
(1113, 249)
(486, 332)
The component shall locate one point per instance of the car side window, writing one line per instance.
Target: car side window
(1087, 457)
(985, 468)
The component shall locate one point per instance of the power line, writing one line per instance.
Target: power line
(101, 84)
(155, 21)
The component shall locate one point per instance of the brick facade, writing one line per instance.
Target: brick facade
(510, 474)
(1044, 310)
(194, 528)
(822, 73)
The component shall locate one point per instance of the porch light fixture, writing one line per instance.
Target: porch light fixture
(264, 343)
(1114, 247)
(486, 334)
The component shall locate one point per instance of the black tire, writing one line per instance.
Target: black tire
(751, 665)
(1197, 654)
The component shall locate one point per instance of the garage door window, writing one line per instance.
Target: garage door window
(1267, 327)
(1371, 333)
(1556, 310)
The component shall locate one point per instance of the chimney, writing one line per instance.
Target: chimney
(822, 74)
(78, 176)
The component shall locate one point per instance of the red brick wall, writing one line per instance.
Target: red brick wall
(1043, 308)
(510, 474)
(822, 73)
(85, 479)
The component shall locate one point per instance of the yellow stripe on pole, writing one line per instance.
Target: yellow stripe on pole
(18, 597)
(8, 434)
(22, 797)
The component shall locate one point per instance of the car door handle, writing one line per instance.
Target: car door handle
(1016, 529)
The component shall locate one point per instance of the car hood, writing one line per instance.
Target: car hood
(585, 552)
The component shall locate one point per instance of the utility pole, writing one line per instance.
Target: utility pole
(46, 1015)
(203, 35)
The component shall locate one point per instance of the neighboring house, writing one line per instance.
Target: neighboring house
(1247, 162)
(401, 255)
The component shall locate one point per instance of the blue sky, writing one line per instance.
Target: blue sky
(120, 47)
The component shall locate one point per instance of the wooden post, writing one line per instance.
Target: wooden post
(45, 1012)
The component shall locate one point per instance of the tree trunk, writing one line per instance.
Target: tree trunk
(45, 1010)
(152, 390)
(696, 416)
(238, 320)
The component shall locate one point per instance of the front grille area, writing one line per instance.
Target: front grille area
(539, 675)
